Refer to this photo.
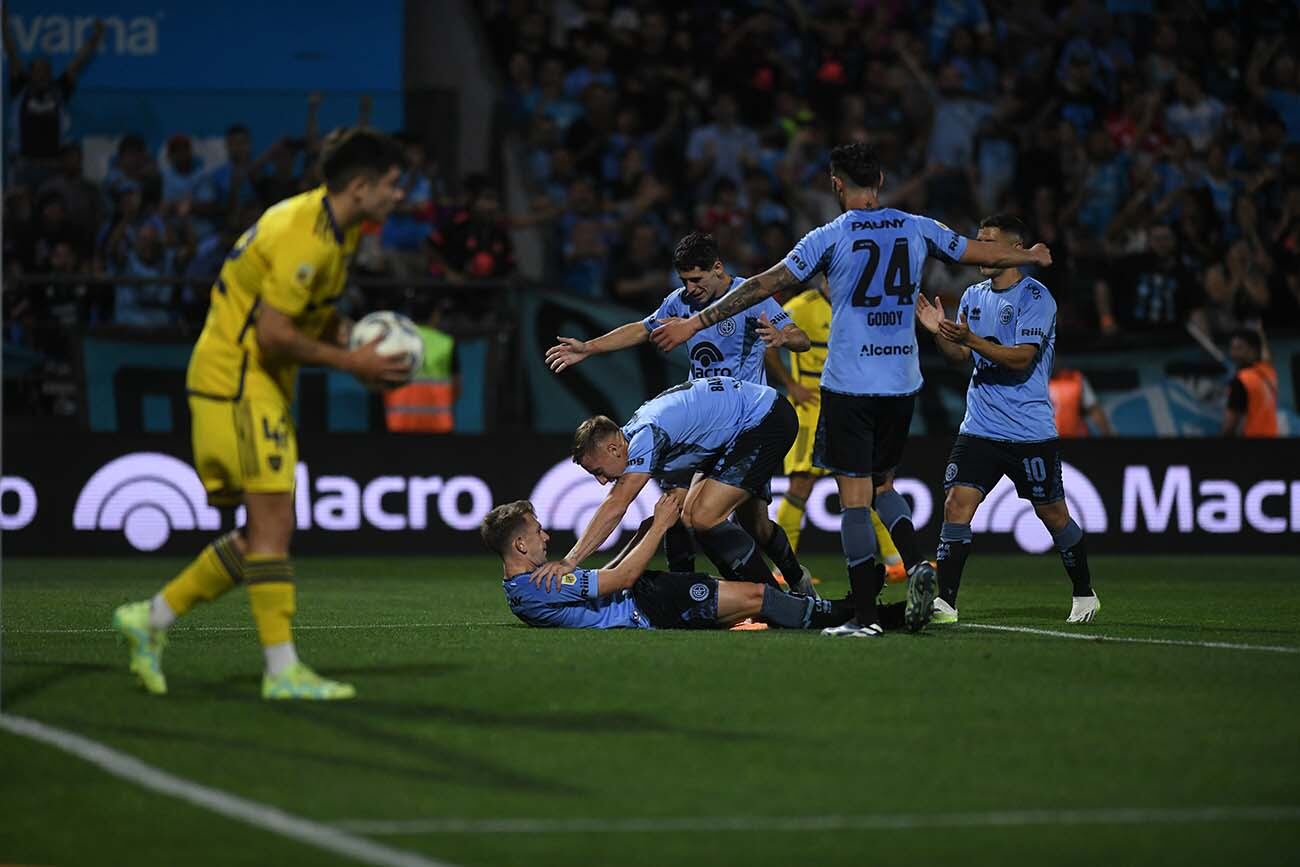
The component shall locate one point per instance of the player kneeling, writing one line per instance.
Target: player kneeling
(623, 595)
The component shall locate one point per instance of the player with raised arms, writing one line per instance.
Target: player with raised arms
(1007, 325)
(872, 257)
(272, 310)
(733, 433)
(731, 347)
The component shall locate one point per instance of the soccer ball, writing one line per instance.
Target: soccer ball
(399, 337)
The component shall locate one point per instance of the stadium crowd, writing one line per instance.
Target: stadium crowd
(1157, 152)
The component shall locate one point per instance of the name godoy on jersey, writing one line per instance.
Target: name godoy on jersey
(873, 260)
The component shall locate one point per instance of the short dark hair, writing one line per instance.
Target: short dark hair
(350, 153)
(501, 525)
(1007, 224)
(858, 162)
(236, 129)
(590, 433)
(1250, 336)
(696, 250)
(131, 143)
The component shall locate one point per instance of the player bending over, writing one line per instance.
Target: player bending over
(1007, 324)
(732, 433)
(272, 309)
(732, 347)
(623, 595)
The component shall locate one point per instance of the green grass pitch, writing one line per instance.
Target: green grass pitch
(464, 714)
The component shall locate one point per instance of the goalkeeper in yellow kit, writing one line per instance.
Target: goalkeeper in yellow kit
(271, 310)
(811, 312)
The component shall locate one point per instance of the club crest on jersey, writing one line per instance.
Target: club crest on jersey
(1005, 314)
(727, 327)
(699, 592)
(950, 473)
(304, 272)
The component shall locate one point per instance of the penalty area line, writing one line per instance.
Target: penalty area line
(1118, 639)
(255, 813)
(880, 821)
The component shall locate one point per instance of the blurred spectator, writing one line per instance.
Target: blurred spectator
(473, 244)
(1282, 89)
(551, 97)
(133, 168)
(281, 179)
(228, 187)
(594, 70)
(83, 203)
(1075, 404)
(409, 226)
(1252, 395)
(39, 101)
(1194, 114)
(722, 149)
(145, 305)
(181, 171)
(640, 277)
(1149, 291)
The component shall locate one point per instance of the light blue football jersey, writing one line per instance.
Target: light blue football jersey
(692, 423)
(873, 260)
(573, 604)
(731, 347)
(1005, 404)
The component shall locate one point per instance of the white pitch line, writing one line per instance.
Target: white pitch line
(1090, 636)
(880, 821)
(254, 813)
(296, 628)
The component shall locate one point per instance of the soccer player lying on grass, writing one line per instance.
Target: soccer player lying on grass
(624, 595)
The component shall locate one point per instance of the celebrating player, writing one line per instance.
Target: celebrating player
(731, 347)
(623, 595)
(1008, 325)
(272, 309)
(733, 433)
(811, 311)
(872, 257)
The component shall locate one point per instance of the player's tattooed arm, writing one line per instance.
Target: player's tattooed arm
(744, 296)
(992, 254)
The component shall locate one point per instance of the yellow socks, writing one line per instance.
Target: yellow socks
(888, 550)
(217, 568)
(271, 596)
(789, 516)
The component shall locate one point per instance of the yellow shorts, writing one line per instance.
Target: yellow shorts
(243, 446)
(800, 457)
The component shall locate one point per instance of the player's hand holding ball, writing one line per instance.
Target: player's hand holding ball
(386, 350)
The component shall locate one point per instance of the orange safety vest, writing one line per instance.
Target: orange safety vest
(424, 405)
(1260, 382)
(1066, 389)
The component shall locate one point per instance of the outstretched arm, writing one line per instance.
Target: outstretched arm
(997, 255)
(570, 351)
(744, 296)
(632, 565)
(88, 49)
(608, 516)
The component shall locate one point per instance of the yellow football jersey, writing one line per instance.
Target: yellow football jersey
(295, 259)
(812, 313)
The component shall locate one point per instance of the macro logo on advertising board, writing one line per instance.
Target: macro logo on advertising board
(145, 495)
(1004, 512)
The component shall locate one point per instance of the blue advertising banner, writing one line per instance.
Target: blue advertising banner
(168, 66)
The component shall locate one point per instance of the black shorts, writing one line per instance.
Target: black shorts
(860, 435)
(677, 600)
(758, 453)
(975, 462)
